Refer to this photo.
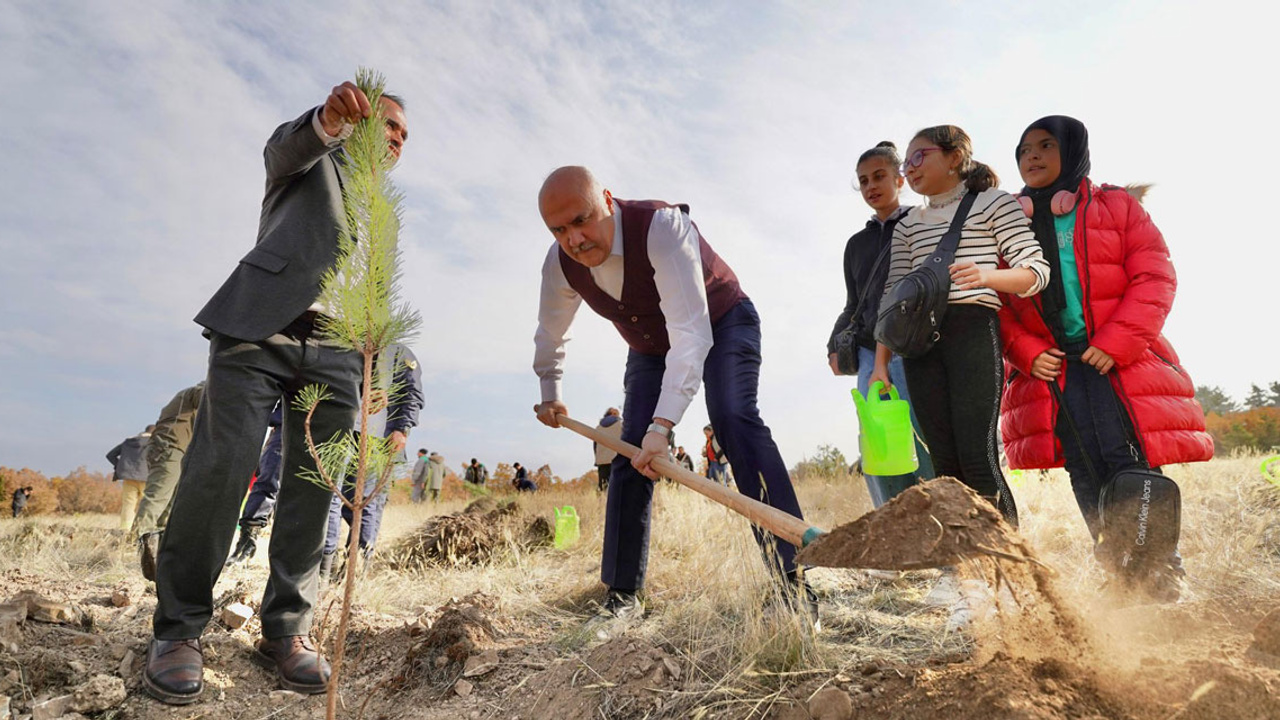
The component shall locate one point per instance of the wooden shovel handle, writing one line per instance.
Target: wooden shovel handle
(784, 525)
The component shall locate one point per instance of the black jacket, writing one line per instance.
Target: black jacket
(860, 255)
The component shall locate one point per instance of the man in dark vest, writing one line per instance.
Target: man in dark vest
(644, 266)
(261, 327)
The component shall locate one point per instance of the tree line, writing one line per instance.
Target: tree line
(1251, 423)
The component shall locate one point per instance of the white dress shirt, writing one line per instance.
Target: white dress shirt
(676, 256)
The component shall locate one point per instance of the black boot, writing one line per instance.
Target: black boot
(326, 566)
(247, 545)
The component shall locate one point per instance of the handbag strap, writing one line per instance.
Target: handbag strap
(866, 289)
(950, 242)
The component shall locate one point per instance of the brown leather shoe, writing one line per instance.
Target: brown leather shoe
(296, 662)
(174, 672)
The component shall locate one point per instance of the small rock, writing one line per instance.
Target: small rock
(280, 697)
(118, 650)
(48, 611)
(482, 664)
(673, 669)
(102, 692)
(120, 598)
(463, 688)
(52, 709)
(15, 611)
(869, 668)
(831, 704)
(126, 664)
(78, 667)
(1266, 636)
(10, 635)
(236, 615)
(4, 708)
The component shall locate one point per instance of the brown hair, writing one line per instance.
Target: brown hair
(884, 149)
(976, 176)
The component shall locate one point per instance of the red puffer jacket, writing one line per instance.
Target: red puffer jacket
(1128, 286)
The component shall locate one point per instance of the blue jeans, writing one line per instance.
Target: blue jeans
(370, 517)
(884, 487)
(716, 472)
(731, 377)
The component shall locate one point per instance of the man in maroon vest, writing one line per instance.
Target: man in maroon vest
(644, 266)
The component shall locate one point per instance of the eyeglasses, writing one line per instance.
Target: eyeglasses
(917, 158)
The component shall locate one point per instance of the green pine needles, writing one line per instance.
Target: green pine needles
(364, 313)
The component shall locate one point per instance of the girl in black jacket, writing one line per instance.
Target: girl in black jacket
(866, 265)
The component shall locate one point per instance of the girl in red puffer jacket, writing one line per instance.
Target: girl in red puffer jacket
(1095, 331)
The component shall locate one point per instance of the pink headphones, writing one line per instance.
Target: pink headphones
(1063, 202)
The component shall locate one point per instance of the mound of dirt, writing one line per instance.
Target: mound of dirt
(441, 647)
(623, 678)
(934, 524)
(478, 534)
(1004, 688)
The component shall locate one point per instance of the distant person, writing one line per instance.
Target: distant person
(717, 461)
(263, 344)
(393, 422)
(20, 498)
(611, 425)
(435, 475)
(956, 384)
(418, 476)
(645, 266)
(683, 459)
(521, 481)
(866, 266)
(477, 473)
(168, 446)
(1096, 332)
(129, 460)
(259, 506)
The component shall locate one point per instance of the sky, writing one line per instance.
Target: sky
(134, 179)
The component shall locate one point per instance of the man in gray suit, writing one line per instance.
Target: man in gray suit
(262, 345)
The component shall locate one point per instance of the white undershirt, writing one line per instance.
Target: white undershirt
(676, 256)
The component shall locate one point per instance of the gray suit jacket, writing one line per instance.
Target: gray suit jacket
(297, 238)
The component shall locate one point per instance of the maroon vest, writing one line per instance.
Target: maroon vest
(637, 315)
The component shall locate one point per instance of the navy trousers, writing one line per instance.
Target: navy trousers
(731, 377)
(1105, 432)
(262, 496)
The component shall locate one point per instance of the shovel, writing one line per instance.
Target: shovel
(785, 526)
(934, 524)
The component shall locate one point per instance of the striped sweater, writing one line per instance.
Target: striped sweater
(995, 230)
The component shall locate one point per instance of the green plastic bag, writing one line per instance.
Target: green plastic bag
(566, 527)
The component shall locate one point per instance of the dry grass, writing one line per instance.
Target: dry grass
(707, 587)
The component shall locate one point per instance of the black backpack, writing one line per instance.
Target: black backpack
(910, 319)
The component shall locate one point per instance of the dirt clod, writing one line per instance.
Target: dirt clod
(831, 704)
(934, 524)
(441, 652)
(1266, 635)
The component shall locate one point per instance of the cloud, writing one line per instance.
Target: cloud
(136, 178)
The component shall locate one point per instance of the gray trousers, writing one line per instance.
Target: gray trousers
(245, 381)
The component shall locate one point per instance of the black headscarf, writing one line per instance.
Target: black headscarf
(1073, 147)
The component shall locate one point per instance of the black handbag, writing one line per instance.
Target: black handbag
(910, 319)
(846, 342)
(1140, 510)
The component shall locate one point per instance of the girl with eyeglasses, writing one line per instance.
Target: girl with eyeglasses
(866, 266)
(1095, 331)
(957, 384)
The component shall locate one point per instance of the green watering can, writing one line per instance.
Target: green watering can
(566, 527)
(886, 437)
